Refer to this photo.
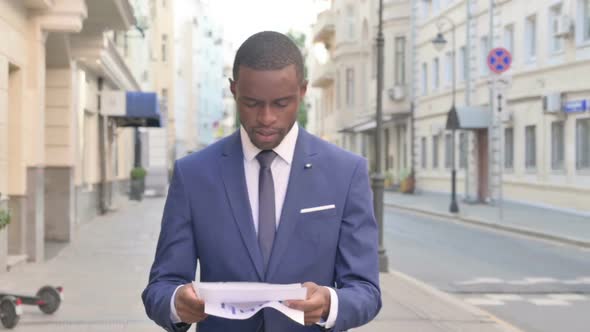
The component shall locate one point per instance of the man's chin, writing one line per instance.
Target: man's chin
(266, 142)
(265, 145)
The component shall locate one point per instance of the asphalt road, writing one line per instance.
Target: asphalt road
(532, 284)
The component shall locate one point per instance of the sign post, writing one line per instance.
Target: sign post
(499, 61)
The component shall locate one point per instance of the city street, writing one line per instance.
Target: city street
(534, 285)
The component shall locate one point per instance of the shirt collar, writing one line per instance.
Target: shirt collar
(285, 150)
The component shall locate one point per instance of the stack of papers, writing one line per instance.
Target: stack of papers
(242, 300)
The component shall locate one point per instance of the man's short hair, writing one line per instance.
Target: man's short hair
(269, 50)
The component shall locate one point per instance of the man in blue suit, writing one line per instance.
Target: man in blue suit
(270, 203)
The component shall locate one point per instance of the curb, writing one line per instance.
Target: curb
(486, 224)
(507, 327)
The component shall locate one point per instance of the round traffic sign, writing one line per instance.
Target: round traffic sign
(499, 60)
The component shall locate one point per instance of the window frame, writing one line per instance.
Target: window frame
(509, 149)
(531, 38)
(582, 144)
(530, 147)
(558, 146)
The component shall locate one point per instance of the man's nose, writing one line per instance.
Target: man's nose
(266, 115)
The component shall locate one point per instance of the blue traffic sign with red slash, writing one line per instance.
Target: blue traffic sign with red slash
(499, 60)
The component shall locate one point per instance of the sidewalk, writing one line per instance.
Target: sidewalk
(527, 220)
(411, 306)
(103, 272)
(105, 268)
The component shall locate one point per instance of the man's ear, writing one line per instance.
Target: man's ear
(232, 87)
(303, 89)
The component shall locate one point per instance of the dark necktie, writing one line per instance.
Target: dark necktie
(266, 205)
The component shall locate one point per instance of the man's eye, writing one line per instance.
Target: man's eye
(251, 104)
(282, 103)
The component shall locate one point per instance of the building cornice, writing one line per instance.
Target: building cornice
(63, 16)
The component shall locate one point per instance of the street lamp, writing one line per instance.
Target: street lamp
(452, 119)
(378, 182)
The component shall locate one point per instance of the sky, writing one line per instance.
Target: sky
(242, 18)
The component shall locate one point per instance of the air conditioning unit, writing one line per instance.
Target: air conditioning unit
(552, 103)
(563, 26)
(397, 93)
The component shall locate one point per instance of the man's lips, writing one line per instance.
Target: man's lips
(266, 136)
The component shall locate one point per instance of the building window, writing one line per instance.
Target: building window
(165, 95)
(583, 144)
(557, 145)
(484, 48)
(509, 39)
(531, 38)
(448, 151)
(509, 148)
(424, 152)
(388, 164)
(349, 87)
(530, 148)
(404, 141)
(350, 22)
(462, 64)
(338, 92)
(435, 6)
(400, 60)
(448, 68)
(463, 150)
(426, 5)
(435, 151)
(435, 73)
(424, 79)
(585, 19)
(555, 43)
(164, 48)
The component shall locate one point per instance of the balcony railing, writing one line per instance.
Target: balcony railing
(323, 75)
(325, 27)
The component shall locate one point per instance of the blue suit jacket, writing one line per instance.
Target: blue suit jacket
(207, 217)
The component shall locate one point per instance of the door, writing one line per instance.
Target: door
(482, 165)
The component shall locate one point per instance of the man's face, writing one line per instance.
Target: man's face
(267, 102)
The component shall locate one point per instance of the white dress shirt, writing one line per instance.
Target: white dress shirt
(280, 169)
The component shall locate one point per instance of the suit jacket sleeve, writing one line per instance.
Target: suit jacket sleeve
(357, 262)
(176, 255)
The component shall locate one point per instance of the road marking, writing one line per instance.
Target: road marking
(477, 281)
(505, 297)
(568, 297)
(548, 302)
(556, 300)
(578, 281)
(480, 301)
(525, 281)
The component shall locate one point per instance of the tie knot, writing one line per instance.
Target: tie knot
(266, 157)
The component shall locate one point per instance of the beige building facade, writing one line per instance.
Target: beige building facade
(61, 161)
(347, 79)
(536, 149)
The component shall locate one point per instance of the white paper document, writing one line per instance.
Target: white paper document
(242, 300)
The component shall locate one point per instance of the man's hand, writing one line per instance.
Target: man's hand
(189, 307)
(316, 306)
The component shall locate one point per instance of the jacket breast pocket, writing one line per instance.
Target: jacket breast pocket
(319, 227)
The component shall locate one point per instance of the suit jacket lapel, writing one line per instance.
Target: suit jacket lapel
(234, 180)
(296, 188)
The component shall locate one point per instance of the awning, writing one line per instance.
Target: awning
(474, 117)
(132, 109)
(371, 124)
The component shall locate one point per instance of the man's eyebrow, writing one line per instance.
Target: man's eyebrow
(250, 99)
(284, 98)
